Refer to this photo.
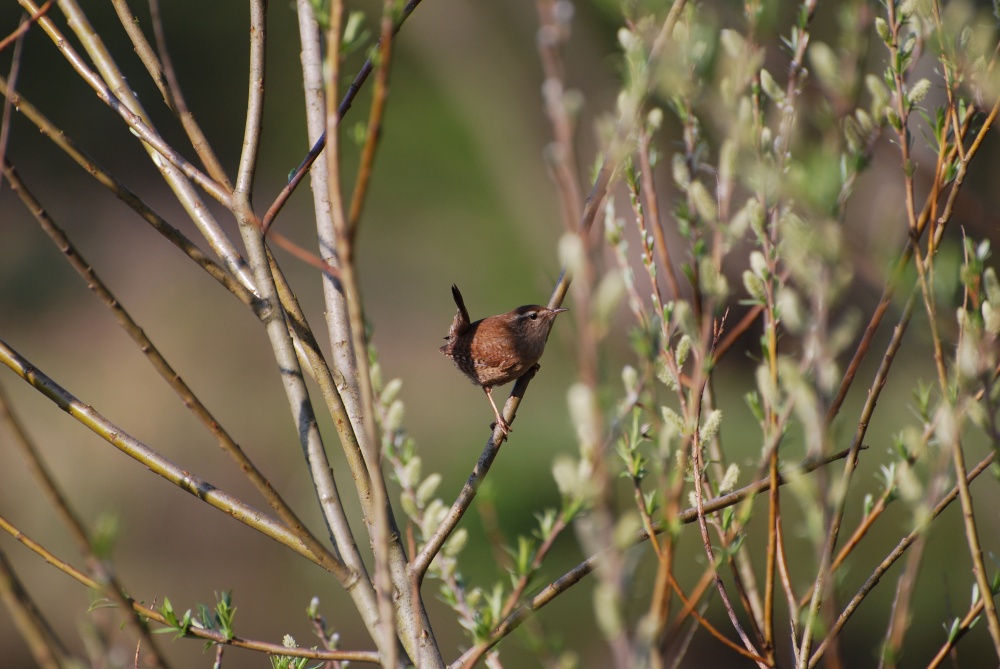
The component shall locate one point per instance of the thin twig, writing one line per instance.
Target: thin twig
(955, 634)
(898, 270)
(46, 648)
(111, 585)
(134, 120)
(689, 608)
(553, 31)
(320, 143)
(655, 224)
(699, 476)
(958, 455)
(24, 26)
(375, 116)
(411, 610)
(178, 172)
(473, 655)
(8, 106)
(823, 572)
(192, 630)
(378, 528)
(255, 99)
(900, 618)
(177, 102)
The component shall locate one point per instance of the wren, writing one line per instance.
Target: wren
(499, 349)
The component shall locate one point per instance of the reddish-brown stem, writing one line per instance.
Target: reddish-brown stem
(317, 148)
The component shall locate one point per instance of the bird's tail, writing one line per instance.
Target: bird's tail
(461, 322)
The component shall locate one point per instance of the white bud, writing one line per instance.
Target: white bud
(571, 252)
(427, 488)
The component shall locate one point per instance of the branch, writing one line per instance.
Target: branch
(134, 120)
(418, 567)
(347, 416)
(133, 201)
(422, 561)
(23, 28)
(840, 502)
(255, 98)
(890, 559)
(15, 67)
(161, 466)
(390, 557)
(46, 648)
(375, 116)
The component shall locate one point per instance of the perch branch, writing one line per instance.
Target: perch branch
(422, 561)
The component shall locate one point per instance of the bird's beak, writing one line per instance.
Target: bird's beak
(560, 310)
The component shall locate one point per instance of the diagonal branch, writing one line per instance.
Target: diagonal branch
(161, 466)
(133, 201)
(22, 29)
(379, 97)
(135, 120)
(47, 649)
(422, 561)
(892, 557)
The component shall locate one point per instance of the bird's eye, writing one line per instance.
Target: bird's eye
(533, 315)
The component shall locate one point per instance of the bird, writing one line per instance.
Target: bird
(499, 349)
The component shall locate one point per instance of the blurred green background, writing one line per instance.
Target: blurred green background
(460, 195)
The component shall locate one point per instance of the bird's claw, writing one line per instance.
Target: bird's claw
(504, 425)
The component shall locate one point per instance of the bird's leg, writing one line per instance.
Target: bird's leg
(504, 425)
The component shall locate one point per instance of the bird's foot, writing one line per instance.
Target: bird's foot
(504, 425)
